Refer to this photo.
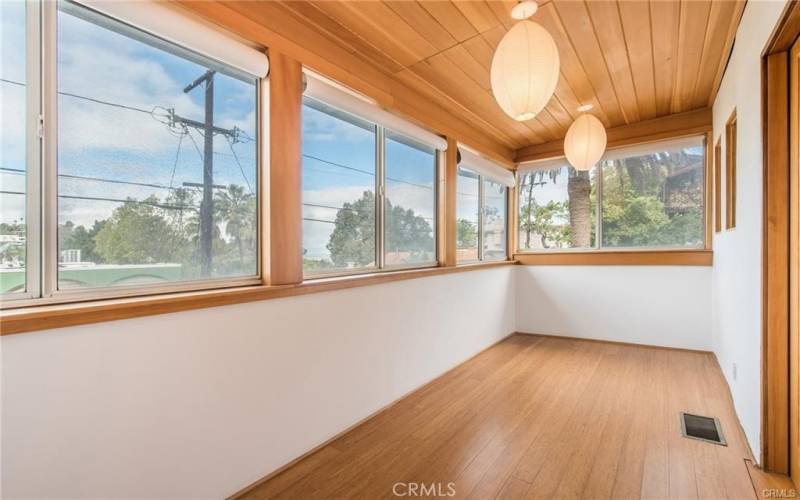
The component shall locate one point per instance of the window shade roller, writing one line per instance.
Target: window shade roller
(487, 168)
(362, 107)
(184, 30)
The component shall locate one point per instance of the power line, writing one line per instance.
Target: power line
(241, 169)
(366, 172)
(130, 200)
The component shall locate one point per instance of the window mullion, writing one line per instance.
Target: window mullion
(599, 206)
(481, 210)
(380, 197)
(33, 151)
(49, 157)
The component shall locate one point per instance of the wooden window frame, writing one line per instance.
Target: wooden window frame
(381, 136)
(718, 186)
(639, 256)
(42, 279)
(730, 171)
(481, 214)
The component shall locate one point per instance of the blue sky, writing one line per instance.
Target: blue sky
(107, 142)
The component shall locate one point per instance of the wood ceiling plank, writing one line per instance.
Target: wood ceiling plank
(418, 84)
(560, 114)
(502, 10)
(638, 39)
(552, 129)
(308, 12)
(423, 22)
(716, 37)
(606, 25)
(692, 32)
(403, 44)
(579, 30)
(664, 23)
(478, 13)
(450, 79)
(726, 52)
(480, 50)
(461, 57)
(567, 98)
(450, 18)
(713, 45)
(571, 68)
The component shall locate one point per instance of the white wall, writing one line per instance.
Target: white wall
(736, 276)
(202, 403)
(655, 305)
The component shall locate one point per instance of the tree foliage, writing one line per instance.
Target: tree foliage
(650, 200)
(352, 241)
(139, 233)
(153, 231)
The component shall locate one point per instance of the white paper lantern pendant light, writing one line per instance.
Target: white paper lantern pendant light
(525, 66)
(585, 142)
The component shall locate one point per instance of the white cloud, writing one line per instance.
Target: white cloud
(318, 126)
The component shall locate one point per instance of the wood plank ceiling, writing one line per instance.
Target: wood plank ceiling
(632, 59)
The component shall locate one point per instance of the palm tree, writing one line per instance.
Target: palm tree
(237, 209)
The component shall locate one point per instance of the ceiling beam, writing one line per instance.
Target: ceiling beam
(666, 127)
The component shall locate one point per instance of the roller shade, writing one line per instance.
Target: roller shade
(524, 168)
(170, 24)
(486, 167)
(654, 147)
(670, 145)
(336, 97)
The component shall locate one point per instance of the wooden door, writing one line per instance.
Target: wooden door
(794, 262)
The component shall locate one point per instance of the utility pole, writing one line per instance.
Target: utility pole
(208, 128)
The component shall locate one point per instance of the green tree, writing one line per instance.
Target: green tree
(12, 251)
(466, 234)
(139, 233)
(546, 221)
(78, 237)
(408, 232)
(352, 242)
(237, 209)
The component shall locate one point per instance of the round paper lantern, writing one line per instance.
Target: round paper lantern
(585, 142)
(525, 70)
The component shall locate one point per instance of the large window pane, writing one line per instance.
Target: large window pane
(467, 215)
(338, 190)
(13, 167)
(557, 209)
(655, 199)
(410, 202)
(156, 159)
(494, 221)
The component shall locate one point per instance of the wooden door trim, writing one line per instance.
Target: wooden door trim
(775, 435)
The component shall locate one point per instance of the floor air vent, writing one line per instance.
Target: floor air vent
(702, 428)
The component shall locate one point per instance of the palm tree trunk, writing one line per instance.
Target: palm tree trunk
(579, 188)
(530, 199)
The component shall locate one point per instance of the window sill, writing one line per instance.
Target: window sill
(694, 257)
(35, 318)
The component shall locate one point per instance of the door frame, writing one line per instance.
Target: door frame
(781, 209)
